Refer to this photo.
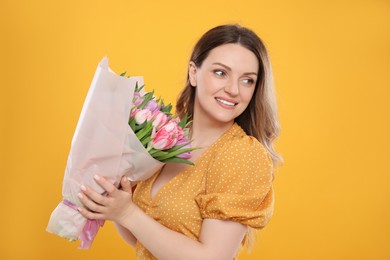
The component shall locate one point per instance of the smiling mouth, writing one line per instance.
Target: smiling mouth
(226, 102)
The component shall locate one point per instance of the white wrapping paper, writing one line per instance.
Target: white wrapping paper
(103, 144)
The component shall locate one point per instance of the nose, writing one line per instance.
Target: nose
(232, 88)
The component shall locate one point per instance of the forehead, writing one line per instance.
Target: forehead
(234, 56)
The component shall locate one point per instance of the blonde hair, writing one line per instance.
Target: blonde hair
(260, 118)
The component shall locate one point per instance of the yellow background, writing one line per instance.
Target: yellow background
(331, 63)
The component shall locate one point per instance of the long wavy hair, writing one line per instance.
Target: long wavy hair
(260, 118)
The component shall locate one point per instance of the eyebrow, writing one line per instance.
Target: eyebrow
(228, 68)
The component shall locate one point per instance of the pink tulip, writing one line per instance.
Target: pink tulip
(152, 105)
(159, 119)
(137, 99)
(186, 155)
(180, 133)
(134, 112)
(142, 115)
(166, 137)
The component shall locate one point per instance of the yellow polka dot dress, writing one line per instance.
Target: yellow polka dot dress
(231, 180)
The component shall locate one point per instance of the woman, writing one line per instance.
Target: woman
(206, 211)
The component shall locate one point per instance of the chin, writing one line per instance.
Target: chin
(224, 119)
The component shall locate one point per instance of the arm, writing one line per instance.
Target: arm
(126, 234)
(218, 239)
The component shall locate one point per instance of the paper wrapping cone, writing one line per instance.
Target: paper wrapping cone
(103, 144)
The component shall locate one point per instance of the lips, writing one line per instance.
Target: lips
(226, 102)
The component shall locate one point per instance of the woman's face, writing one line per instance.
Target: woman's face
(225, 83)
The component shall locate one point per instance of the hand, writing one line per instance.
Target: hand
(115, 206)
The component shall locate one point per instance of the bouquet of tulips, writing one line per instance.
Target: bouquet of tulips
(165, 137)
(122, 131)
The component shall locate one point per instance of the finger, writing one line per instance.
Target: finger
(90, 215)
(93, 195)
(106, 185)
(91, 205)
(126, 185)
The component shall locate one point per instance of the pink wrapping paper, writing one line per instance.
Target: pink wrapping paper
(104, 144)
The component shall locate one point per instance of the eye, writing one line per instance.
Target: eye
(248, 81)
(219, 73)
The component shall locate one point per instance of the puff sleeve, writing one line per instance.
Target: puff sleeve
(239, 184)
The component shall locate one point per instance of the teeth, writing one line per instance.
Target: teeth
(225, 102)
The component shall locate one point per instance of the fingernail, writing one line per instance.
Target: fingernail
(96, 177)
(80, 195)
(82, 187)
(79, 209)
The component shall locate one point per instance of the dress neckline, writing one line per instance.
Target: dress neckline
(232, 131)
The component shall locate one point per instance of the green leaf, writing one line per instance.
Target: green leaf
(188, 123)
(175, 148)
(146, 140)
(173, 154)
(183, 122)
(179, 160)
(167, 109)
(123, 74)
(139, 127)
(138, 89)
(156, 153)
(146, 131)
(132, 124)
(147, 97)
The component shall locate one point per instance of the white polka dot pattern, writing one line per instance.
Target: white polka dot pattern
(231, 180)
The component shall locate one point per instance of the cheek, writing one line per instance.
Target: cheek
(210, 84)
(207, 84)
(247, 95)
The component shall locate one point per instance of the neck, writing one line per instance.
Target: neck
(205, 133)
